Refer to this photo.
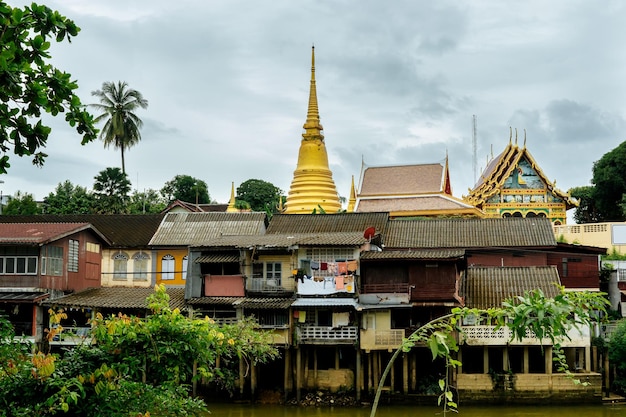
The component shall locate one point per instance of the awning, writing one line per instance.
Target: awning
(325, 302)
(22, 297)
(217, 258)
(382, 306)
(264, 303)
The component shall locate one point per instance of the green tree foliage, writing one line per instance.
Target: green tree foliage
(111, 189)
(609, 179)
(121, 125)
(617, 356)
(136, 366)
(68, 198)
(586, 212)
(186, 188)
(147, 201)
(30, 85)
(21, 204)
(260, 195)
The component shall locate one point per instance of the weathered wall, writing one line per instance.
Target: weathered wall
(521, 388)
(331, 379)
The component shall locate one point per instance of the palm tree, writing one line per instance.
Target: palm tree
(111, 189)
(117, 104)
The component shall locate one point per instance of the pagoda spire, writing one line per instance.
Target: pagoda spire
(312, 127)
(231, 203)
(352, 200)
(312, 187)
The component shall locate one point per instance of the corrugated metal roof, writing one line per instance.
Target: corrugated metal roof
(327, 223)
(264, 303)
(486, 287)
(223, 301)
(325, 302)
(37, 233)
(217, 258)
(122, 230)
(288, 240)
(414, 254)
(117, 297)
(470, 233)
(195, 229)
(22, 297)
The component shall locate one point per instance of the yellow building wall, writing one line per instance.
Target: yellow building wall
(590, 234)
(288, 282)
(178, 279)
(107, 271)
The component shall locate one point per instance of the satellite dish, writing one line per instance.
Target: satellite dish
(369, 233)
(374, 248)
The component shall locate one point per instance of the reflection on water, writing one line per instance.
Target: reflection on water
(238, 410)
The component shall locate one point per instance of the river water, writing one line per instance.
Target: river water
(241, 410)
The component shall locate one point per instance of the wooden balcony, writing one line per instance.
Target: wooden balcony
(390, 339)
(324, 335)
(385, 288)
(489, 336)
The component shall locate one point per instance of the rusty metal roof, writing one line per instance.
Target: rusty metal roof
(22, 297)
(325, 302)
(486, 287)
(264, 303)
(288, 240)
(40, 233)
(117, 297)
(470, 233)
(122, 230)
(327, 223)
(195, 229)
(414, 254)
(223, 301)
(217, 258)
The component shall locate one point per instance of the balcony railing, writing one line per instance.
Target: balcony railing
(327, 335)
(264, 285)
(488, 335)
(385, 288)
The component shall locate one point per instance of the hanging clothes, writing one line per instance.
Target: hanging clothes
(339, 285)
(342, 268)
(315, 265)
(352, 266)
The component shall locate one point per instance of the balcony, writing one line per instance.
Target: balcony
(390, 339)
(261, 284)
(385, 288)
(325, 335)
(487, 335)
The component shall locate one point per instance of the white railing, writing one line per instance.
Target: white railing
(392, 337)
(488, 335)
(264, 285)
(72, 336)
(346, 334)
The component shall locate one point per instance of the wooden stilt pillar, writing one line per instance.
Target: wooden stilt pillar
(526, 364)
(336, 357)
(298, 374)
(359, 375)
(315, 365)
(242, 377)
(587, 358)
(393, 378)
(505, 359)
(305, 370)
(253, 372)
(376, 358)
(370, 373)
(485, 360)
(548, 357)
(405, 373)
(287, 374)
(413, 360)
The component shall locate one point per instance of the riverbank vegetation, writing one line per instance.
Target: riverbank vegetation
(134, 367)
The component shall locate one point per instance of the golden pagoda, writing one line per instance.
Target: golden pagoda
(312, 188)
(513, 185)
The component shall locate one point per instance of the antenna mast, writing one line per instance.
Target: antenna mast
(474, 162)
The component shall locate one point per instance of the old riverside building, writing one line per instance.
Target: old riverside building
(338, 292)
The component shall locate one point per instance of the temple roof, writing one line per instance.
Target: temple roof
(402, 180)
(500, 168)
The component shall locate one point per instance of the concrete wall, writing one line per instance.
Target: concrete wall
(522, 388)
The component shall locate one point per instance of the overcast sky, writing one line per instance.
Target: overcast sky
(398, 82)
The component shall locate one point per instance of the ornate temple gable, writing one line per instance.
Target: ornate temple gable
(513, 185)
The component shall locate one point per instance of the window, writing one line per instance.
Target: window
(18, 265)
(72, 257)
(273, 270)
(120, 265)
(52, 261)
(92, 247)
(167, 267)
(140, 266)
(185, 263)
